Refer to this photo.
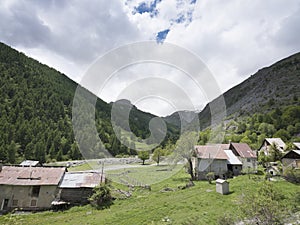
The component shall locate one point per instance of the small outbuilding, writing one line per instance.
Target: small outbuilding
(77, 187)
(222, 186)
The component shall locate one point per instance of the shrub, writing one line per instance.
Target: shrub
(292, 175)
(102, 196)
(210, 177)
(266, 206)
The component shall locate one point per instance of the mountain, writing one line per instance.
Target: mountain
(36, 114)
(276, 86)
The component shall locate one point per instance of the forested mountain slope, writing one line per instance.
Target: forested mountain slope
(36, 110)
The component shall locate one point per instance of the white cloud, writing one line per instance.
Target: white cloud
(233, 38)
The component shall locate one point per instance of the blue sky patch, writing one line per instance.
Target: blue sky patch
(161, 36)
(144, 7)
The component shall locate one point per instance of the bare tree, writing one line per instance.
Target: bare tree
(185, 150)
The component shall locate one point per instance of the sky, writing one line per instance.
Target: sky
(233, 38)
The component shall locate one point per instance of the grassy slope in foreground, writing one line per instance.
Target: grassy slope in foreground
(197, 205)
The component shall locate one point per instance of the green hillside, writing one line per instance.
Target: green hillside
(36, 110)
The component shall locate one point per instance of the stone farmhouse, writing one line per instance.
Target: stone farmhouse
(28, 188)
(34, 188)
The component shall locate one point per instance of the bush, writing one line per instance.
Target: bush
(292, 175)
(260, 172)
(102, 197)
(210, 177)
(266, 206)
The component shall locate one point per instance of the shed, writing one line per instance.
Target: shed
(77, 187)
(222, 186)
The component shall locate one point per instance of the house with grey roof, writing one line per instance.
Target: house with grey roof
(77, 187)
(266, 145)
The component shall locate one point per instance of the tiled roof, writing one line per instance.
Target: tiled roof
(243, 150)
(210, 152)
(16, 175)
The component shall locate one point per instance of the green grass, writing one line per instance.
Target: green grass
(85, 166)
(196, 205)
(147, 174)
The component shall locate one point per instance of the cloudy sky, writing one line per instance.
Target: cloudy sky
(232, 38)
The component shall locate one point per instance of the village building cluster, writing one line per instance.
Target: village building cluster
(228, 160)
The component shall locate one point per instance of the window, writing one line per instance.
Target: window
(35, 191)
(248, 160)
(15, 202)
(33, 202)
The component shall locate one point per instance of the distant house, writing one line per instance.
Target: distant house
(210, 159)
(297, 145)
(30, 163)
(29, 188)
(265, 147)
(291, 159)
(272, 170)
(244, 154)
(77, 187)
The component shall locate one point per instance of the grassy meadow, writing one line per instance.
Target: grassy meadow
(199, 204)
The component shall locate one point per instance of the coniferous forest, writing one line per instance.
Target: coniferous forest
(36, 112)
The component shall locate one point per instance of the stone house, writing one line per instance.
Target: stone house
(28, 188)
